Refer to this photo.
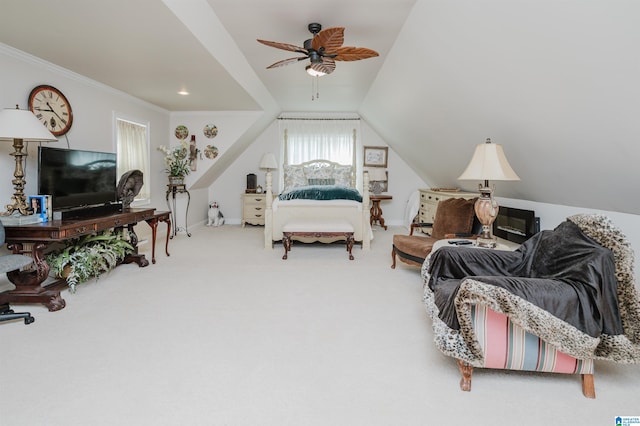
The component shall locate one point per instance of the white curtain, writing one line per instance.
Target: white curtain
(133, 152)
(319, 139)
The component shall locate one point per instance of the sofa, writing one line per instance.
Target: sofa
(563, 299)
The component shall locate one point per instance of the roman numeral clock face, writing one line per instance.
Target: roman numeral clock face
(52, 108)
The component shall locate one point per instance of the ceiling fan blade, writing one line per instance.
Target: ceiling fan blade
(286, 62)
(350, 53)
(327, 66)
(283, 46)
(331, 39)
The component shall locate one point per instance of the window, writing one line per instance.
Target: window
(132, 146)
(319, 139)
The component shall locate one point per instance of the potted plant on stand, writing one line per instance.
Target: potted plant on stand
(177, 162)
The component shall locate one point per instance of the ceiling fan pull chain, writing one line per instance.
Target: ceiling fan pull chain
(315, 92)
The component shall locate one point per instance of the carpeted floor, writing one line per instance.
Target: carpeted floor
(224, 332)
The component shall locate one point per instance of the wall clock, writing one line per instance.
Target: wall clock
(52, 108)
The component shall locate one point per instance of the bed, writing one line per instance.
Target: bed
(298, 203)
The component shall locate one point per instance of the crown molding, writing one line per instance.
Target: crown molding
(71, 75)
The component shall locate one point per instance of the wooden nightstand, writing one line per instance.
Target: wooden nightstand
(253, 207)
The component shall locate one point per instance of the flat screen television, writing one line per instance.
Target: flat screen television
(77, 179)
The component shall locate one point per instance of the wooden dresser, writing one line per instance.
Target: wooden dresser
(253, 207)
(429, 200)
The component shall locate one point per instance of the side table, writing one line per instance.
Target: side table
(376, 211)
(253, 207)
(501, 244)
(172, 190)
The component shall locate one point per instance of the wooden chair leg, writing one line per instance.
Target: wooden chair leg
(350, 242)
(393, 258)
(286, 244)
(588, 386)
(466, 370)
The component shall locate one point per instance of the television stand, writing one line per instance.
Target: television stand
(33, 239)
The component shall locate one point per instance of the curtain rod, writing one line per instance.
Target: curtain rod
(309, 119)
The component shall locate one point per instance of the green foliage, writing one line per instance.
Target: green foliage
(176, 160)
(88, 256)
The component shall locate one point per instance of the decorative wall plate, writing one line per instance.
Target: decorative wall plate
(210, 131)
(182, 132)
(211, 152)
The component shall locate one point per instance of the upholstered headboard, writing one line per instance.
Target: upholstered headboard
(318, 172)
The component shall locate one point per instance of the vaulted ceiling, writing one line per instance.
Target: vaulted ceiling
(554, 82)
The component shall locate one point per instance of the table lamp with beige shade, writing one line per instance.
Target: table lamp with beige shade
(488, 163)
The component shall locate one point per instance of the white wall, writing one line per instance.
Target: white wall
(229, 187)
(553, 81)
(231, 126)
(403, 181)
(93, 107)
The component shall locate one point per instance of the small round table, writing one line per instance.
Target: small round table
(376, 211)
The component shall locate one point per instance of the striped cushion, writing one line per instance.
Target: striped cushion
(507, 346)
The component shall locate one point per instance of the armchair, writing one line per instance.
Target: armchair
(563, 299)
(455, 218)
(8, 263)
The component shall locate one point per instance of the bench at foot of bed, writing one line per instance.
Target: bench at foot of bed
(314, 231)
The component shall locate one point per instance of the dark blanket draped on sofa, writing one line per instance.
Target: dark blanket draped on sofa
(574, 287)
(563, 272)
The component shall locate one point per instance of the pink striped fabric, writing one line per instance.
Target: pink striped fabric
(507, 346)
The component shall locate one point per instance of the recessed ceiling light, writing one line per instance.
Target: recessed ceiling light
(183, 93)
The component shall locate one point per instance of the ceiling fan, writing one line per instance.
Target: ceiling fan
(323, 50)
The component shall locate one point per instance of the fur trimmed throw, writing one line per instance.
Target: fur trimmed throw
(573, 287)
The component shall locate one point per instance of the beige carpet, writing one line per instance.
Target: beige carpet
(223, 332)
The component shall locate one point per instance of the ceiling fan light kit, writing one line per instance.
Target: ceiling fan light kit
(313, 72)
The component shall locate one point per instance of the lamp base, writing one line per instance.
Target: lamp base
(486, 209)
(376, 188)
(486, 242)
(19, 199)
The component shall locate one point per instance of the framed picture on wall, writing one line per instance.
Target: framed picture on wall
(375, 156)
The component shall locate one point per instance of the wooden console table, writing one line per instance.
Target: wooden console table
(33, 239)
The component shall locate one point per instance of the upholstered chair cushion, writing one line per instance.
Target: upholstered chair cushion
(453, 215)
(412, 249)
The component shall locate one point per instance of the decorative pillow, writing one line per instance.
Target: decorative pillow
(314, 172)
(321, 181)
(453, 215)
(322, 192)
(342, 175)
(293, 177)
